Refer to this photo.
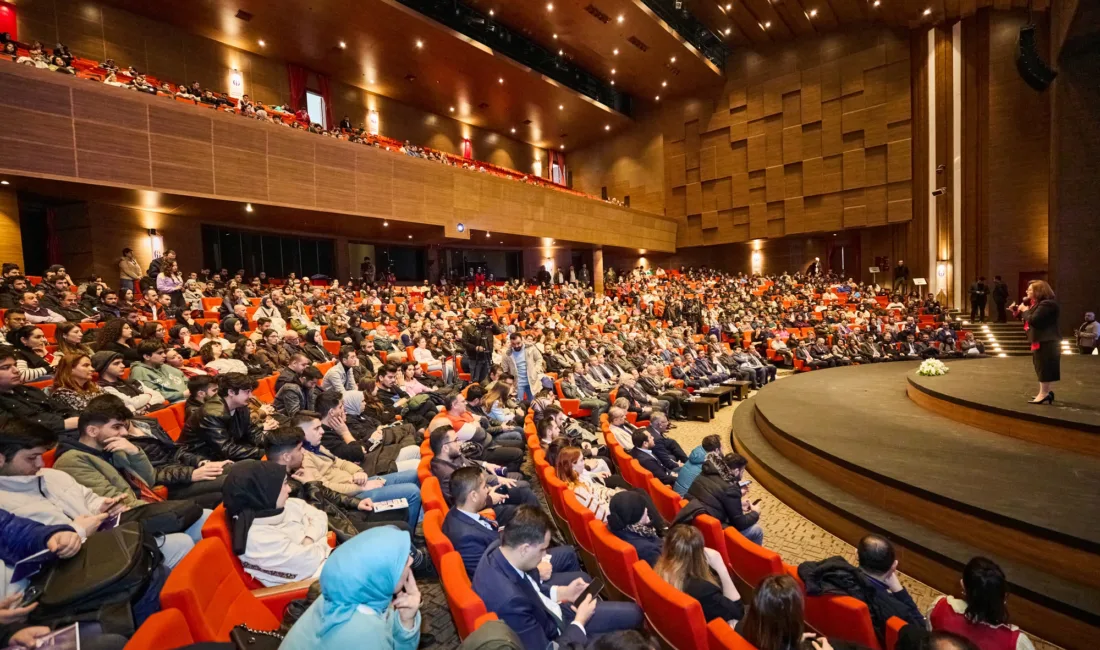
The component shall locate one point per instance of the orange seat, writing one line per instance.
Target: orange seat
(639, 476)
(616, 558)
(722, 637)
(179, 410)
(431, 496)
(424, 469)
(205, 588)
(466, 606)
(165, 630)
(666, 499)
(751, 562)
(49, 457)
(712, 535)
(893, 630)
(324, 367)
(217, 528)
(578, 517)
(674, 615)
(838, 617)
(333, 347)
(168, 421)
(438, 543)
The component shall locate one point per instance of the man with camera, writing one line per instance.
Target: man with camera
(477, 337)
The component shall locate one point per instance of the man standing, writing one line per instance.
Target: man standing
(979, 291)
(524, 362)
(1000, 297)
(478, 338)
(901, 276)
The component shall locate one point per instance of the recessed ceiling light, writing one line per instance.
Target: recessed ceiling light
(4, 183)
(343, 45)
(419, 44)
(928, 11)
(729, 7)
(261, 41)
(672, 60)
(452, 109)
(501, 80)
(561, 52)
(410, 236)
(612, 70)
(549, 6)
(728, 30)
(813, 12)
(490, 12)
(555, 37)
(664, 84)
(615, 51)
(513, 129)
(502, 243)
(767, 24)
(486, 235)
(876, 3)
(612, 82)
(606, 127)
(561, 146)
(248, 207)
(621, 18)
(657, 98)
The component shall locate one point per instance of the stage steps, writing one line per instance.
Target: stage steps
(1056, 609)
(1010, 338)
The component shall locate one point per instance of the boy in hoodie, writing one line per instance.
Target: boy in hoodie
(53, 497)
(152, 371)
(694, 465)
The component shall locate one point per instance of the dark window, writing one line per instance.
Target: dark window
(603, 193)
(276, 255)
(626, 200)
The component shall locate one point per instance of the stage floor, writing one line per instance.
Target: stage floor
(1004, 385)
(861, 418)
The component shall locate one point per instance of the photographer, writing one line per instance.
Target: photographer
(477, 337)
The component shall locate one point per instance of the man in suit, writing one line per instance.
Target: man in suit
(620, 428)
(640, 402)
(508, 582)
(910, 349)
(471, 534)
(667, 450)
(822, 351)
(803, 353)
(681, 372)
(978, 294)
(573, 389)
(643, 453)
(1000, 297)
(654, 384)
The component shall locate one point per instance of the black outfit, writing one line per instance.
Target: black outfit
(714, 602)
(979, 292)
(1042, 328)
(720, 500)
(33, 404)
(173, 466)
(344, 516)
(475, 335)
(901, 276)
(1000, 297)
(214, 432)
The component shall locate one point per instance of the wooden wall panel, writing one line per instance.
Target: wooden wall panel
(815, 133)
(162, 145)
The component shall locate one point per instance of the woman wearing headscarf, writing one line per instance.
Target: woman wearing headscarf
(628, 519)
(267, 309)
(314, 348)
(277, 539)
(367, 592)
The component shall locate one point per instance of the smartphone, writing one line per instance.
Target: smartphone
(110, 522)
(594, 589)
(744, 483)
(30, 596)
(757, 501)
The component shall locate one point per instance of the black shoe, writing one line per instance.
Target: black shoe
(422, 566)
(1048, 399)
(426, 640)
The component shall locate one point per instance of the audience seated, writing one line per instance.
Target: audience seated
(628, 519)
(776, 619)
(698, 571)
(222, 429)
(981, 616)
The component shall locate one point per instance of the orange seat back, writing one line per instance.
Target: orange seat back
(206, 589)
(168, 422)
(615, 557)
(217, 527)
(666, 499)
(466, 606)
(578, 517)
(674, 615)
(838, 617)
(424, 469)
(893, 630)
(722, 637)
(751, 562)
(438, 543)
(333, 347)
(431, 495)
(639, 476)
(49, 457)
(179, 410)
(555, 489)
(165, 630)
(712, 535)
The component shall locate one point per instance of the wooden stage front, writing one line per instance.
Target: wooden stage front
(849, 449)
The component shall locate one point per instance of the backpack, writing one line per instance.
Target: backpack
(112, 570)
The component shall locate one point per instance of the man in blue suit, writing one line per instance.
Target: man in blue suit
(643, 453)
(471, 534)
(507, 580)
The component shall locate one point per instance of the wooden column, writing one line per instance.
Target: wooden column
(597, 270)
(11, 238)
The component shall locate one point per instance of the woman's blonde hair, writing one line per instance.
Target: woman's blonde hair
(682, 557)
(1041, 289)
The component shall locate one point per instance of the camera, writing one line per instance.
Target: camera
(939, 191)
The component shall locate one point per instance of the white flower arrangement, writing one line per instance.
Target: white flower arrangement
(932, 368)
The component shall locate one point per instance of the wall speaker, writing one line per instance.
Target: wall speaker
(1034, 70)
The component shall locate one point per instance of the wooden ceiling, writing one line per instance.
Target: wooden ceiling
(759, 22)
(380, 53)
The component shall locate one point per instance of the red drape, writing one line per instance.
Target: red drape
(8, 21)
(326, 94)
(297, 76)
(467, 149)
(557, 167)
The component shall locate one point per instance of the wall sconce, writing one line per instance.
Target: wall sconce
(757, 266)
(156, 243)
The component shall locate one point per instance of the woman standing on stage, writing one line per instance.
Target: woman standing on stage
(1040, 315)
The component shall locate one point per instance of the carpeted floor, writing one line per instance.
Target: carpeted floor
(786, 532)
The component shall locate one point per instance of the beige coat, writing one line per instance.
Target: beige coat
(334, 473)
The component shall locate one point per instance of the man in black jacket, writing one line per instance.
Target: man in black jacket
(667, 450)
(31, 403)
(478, 338)
(643, 453)
(979, 292)
(222, 429)
(722, 500)
(1000, 297)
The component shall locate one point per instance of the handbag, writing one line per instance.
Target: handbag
(164, 517)
(245, 638)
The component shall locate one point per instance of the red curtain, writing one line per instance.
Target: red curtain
(326, 94)
(557, 167)
(297, 76)
(467, 149)
(8, 21)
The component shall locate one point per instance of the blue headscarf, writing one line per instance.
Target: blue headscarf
(364, 570)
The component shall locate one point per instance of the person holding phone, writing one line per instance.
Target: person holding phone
(775, 619)
(367, 592)
(508, 582)
(687, 565)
